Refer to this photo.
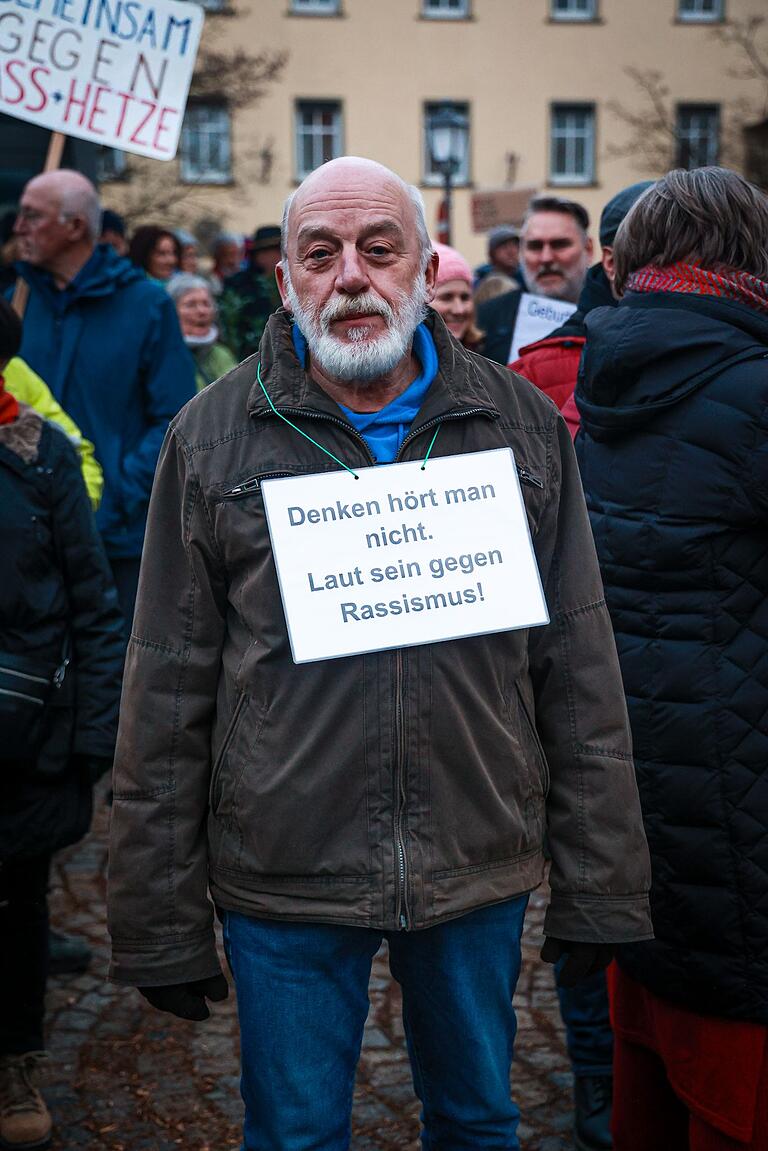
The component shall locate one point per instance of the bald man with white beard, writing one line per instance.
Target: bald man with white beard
(399, 795)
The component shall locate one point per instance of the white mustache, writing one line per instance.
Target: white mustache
(367, 304)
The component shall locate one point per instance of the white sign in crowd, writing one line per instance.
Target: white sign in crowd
(537, 317)
(116, 72)
(403, 554)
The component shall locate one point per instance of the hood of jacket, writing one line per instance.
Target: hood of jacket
(101, 275)
(654, 350)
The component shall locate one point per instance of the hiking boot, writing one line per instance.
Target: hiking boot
(592, 1099)
(25, 1122)
(67, 955)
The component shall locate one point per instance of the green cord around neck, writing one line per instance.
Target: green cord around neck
(320, 446)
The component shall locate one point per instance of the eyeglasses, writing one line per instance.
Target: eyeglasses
(30, 215)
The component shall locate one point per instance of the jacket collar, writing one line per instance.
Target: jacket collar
(456, 389)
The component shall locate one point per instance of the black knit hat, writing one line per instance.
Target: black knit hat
(616, 209)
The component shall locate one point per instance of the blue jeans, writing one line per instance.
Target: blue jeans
(584, 1011)
(302, 996)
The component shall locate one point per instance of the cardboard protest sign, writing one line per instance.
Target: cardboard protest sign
(504, 206)
(403, 555)
(116, 72)
(537, 317)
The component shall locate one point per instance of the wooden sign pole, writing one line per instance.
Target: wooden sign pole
(52, 162)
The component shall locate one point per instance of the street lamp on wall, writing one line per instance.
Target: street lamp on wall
(447, 144)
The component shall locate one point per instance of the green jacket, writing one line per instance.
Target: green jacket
(388, 790)
(210, 363)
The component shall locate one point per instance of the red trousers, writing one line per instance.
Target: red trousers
(682, 1081)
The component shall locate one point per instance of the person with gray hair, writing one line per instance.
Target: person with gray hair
(108, 344)
(400, 793)
(196, 309)
(673, 447)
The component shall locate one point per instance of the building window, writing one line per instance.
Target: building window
(574, 10)
(316, 7)
(431, 173)
(572, 144)
(110, 163)
(698, 135)
(206, 155)
(700, 11)
(446, 9)
(318, 134)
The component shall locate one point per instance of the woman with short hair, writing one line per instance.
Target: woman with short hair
(196, 309)
(673, 396)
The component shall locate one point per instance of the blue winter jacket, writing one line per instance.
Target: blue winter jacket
(111, 351)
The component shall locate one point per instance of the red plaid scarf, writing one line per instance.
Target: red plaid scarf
(689, 278)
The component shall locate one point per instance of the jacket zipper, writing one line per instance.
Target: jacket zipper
(253, 484)
(315, 415)
(492, 414)
(402, 912)
(527, 477)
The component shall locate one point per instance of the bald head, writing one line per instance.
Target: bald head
(58, 223)
(73, 194)
(366, 177)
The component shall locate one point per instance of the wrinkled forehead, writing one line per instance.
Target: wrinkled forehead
(351, 206)
(552, 226)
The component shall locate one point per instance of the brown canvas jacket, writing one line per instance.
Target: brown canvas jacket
(391, 790)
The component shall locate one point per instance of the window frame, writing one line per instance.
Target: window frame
(315, 7)
(427, 13)
(569, 179)
(684, 108)
(699, 17)
(119, 164)
(558, 16)
(187, 170)
(303, 104)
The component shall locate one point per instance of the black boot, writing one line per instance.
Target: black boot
(67, 955)
(592, 1099)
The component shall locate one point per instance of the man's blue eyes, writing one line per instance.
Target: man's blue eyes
(324, 253)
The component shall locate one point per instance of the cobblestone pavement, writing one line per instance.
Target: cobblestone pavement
(126, 1078)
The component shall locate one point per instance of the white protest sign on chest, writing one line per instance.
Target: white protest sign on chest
(403, 555)
(115, 72)
(537, 317)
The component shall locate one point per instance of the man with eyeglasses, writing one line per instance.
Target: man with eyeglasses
(555, 253)
(108, 344)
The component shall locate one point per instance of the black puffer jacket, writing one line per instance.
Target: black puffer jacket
(46, 525)
(673, 396)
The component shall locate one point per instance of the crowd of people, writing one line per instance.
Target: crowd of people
(418, 795)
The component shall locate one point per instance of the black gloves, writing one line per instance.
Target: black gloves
(582, 959)
(187, 1000)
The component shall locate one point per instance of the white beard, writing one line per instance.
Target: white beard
(366, 357)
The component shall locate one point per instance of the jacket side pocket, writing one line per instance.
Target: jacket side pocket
(543, 765)
(214, 795)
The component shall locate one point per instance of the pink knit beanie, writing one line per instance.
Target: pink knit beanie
(453, 266)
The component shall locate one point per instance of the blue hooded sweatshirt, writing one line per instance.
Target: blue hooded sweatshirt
(110, 349)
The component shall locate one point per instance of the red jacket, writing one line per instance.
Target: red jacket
(552, 364)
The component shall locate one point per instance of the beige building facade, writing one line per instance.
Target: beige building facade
(572, 97)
